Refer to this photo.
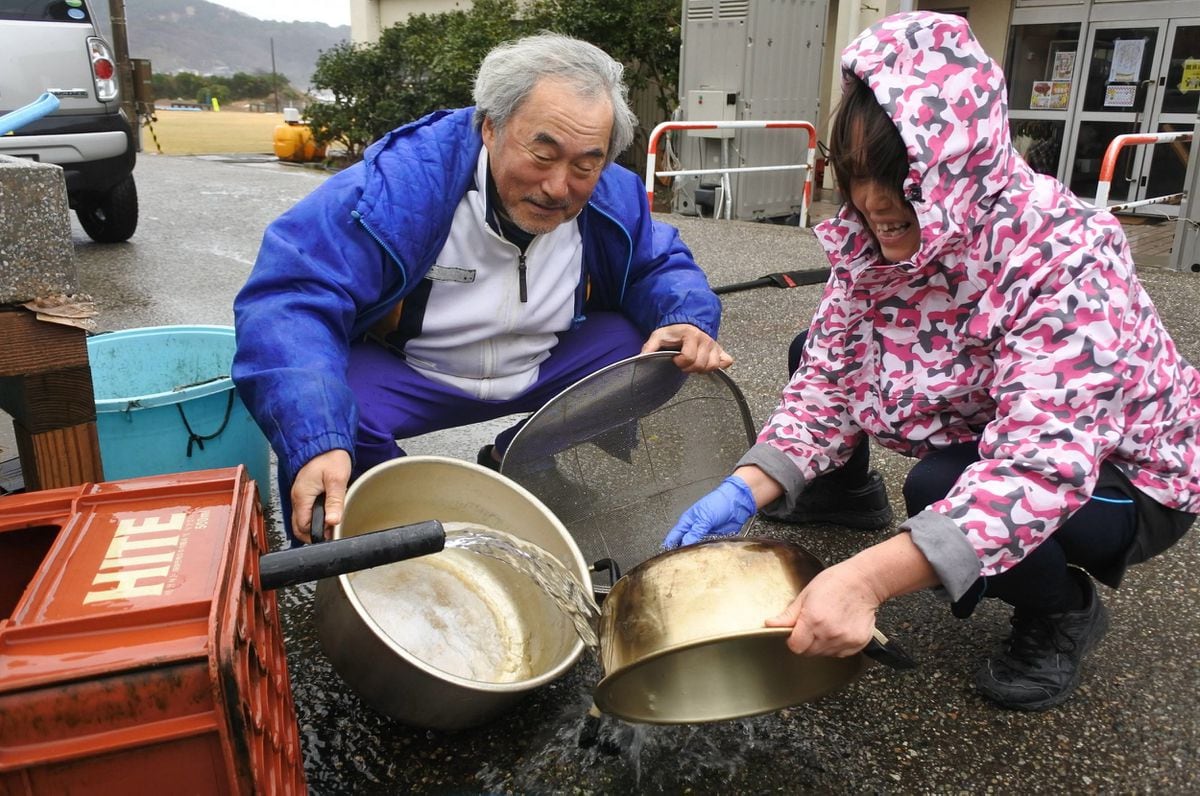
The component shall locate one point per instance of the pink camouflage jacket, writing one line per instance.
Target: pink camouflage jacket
(1019, 322)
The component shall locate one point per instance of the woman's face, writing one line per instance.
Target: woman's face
(890, 219)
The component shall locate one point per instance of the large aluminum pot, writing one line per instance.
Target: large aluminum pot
(682, 637)
(449, 640)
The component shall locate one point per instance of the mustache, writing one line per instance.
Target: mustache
(546, 203)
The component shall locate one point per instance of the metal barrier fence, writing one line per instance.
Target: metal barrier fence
(1109, 165)
(725, 171)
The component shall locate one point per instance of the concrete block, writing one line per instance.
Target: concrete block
(36, 255)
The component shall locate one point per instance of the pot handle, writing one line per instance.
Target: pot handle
(316, 526)
(340, 556)
(886, 651)
(607, 565)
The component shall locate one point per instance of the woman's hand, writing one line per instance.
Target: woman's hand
(833, 616)
(835, 613)
(722, 512)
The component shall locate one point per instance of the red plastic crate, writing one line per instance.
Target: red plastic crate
(137, 652)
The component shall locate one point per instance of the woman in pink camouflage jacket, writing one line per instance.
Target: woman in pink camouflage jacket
(985, 321)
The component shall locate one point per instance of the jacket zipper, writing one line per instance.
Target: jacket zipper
(388, 302)
(524, 291)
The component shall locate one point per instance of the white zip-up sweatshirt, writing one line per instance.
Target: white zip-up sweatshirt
(477, 334)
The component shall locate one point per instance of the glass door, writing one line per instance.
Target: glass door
(1175, 111)
(1140, 78)
(1118, 86)
(1043, 78)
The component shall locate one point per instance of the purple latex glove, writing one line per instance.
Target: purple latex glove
(722, 512)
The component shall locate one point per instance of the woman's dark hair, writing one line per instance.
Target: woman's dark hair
(864, 143)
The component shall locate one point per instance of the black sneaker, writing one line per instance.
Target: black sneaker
(484, 457)
(865, 507)
(1040, 666)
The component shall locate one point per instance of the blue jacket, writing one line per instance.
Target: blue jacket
(340, 259)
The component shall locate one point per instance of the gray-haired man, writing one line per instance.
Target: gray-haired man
(473, 265)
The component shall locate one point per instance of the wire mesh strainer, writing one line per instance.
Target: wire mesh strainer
(619, 455)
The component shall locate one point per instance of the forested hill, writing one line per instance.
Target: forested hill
(203, 37)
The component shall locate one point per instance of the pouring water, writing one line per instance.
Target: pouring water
(545, 570)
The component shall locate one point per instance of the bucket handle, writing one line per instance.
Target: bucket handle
(197, 439)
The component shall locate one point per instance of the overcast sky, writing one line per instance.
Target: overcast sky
(331, 12)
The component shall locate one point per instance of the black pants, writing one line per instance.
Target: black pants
(1096, 537)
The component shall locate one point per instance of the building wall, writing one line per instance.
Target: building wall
(988, 18)
(368, 18)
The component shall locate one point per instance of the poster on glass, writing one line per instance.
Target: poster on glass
(1054, 92)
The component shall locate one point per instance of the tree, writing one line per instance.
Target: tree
(244, 85)
(642, 34)
(214, 90)
(417, 66)
(349, 72)
(186, 85)
(429, 61)
(189, 85)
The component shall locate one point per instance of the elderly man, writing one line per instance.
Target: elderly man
(473, 265)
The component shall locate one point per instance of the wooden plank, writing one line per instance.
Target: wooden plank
(33, 346)
(11, 480)
(46, 401)
(62, 457)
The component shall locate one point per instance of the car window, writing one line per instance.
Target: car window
(51, 10)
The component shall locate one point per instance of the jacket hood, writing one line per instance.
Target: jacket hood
(949, 101)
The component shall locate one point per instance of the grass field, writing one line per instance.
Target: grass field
(208, 133)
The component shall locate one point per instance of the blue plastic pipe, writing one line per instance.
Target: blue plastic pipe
(43, 105)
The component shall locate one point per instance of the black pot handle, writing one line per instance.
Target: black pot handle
(886, 651)
(316, 528)
(340, 556)
(610, 566)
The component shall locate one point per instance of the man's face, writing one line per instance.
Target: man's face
(549, 156)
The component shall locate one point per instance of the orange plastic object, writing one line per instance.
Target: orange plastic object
(295, 143)
(137, 652)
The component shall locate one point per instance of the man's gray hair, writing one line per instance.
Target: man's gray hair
(510, 71)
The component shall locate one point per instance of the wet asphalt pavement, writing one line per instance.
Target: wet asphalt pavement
(1133, 726)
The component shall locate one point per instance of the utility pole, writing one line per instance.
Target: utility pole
(274, 78)
(120, 43)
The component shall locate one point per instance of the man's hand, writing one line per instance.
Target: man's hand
(328, 473)
(698, 353)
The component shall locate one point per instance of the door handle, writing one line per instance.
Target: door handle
(1143, 90)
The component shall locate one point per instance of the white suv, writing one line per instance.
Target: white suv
(53, 45)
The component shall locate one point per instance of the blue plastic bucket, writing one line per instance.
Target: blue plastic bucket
(165, 404)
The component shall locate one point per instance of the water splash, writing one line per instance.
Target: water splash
(547, 572)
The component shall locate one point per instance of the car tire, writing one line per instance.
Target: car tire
(111, 217)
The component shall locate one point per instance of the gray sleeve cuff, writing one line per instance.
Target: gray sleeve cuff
(780, 468)
(947, 549)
